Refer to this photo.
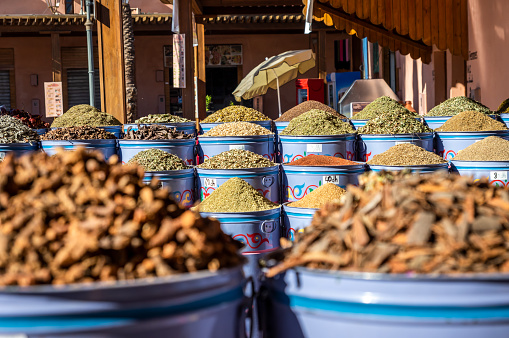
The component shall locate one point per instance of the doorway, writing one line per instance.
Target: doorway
(221, 82)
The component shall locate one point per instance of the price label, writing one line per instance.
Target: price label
(210, 183)
(2, 155)
(331, 179)
(498, 175)
(237, 146)
(403, 142)
(314, 148)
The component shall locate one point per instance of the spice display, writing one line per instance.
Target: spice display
(237, 129)
(426, 224)
(456, 105)
(306, 106)
(491, 148)
(394, 123)
(74, 218)
(161, 118)
(13, 130)
(326, 193)
(471, 121)
(383, 104)
(85, 115)
(406, 154)
(321, 160)
(157, 160)
(317, 122)
(29, 120)
(155, 132)
(504, 107)
(78, 133)
(236, 159)
(235, 114)
(235, 195)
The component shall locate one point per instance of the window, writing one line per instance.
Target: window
(77, 87)
(5, 89)
(69, 6)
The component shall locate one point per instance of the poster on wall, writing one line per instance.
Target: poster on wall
(179, 61)
(53, 99)
(223, 55)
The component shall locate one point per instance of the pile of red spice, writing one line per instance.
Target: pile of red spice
(321, 160)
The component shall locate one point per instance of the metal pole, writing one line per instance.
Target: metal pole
(90, 50)
(278, 96)
(365, 58)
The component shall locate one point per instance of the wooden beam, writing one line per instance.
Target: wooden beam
(226, 3)
(186, 27)
(56, 58)
(215, 11)
(201, 71)
(369, 25)
(111, 58)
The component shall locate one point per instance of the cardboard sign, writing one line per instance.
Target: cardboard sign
(53, 99)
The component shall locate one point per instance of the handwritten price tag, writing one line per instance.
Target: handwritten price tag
(210, 183)
(498, 175)
(403, 142)
(334, 179)
(237, 146)
(314, 148)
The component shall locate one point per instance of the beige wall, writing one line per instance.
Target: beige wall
(489, 37)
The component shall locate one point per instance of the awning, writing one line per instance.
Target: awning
(408, 26)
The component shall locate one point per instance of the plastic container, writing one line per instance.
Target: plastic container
(423, 169)
(358, 123)
(205, 127)
(186, 127)
(179, 182)
(107, 147)
(259, 231)
(495, 172)
(258, 144)
(447, 144)
(265, 180)
(115, 130)
(295, 147)
(296, 219)
(370, 145)
(17, 148)
(200, 304)
(280, 126)
(326, 304)
(41, 131)
(298, 181)
(505, 118)
(435, 122)
(185, 149)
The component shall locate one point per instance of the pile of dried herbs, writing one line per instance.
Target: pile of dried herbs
(85, 115)
(236, 159)
(327, 193)
(237, 129)
(74, 218)
(394, 123)
(306, 106)
(235, 114)
(78, 133)
(161, 118)
(426, 224)
(406, 154)
(471, 121)
(383, 104)
(235, 195)
(155, 132)
(456, 105)
(317, 122)
(491, 148)
(157, 160)
(13, 130)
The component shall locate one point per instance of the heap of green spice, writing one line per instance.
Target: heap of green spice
(394, 123)
(471, 121)
(13, 130)
(317, 122)
(157, 160)
(236, 159)
(237, 129)
(491, 148)
(304, 107)
(85, 115)
(235, 195)
(504, 107)
(162, 118)
(456, 105)
(235, 114)
(383, 104)
(406, 154)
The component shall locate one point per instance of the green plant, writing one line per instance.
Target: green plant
(231, 103)
(208, 101)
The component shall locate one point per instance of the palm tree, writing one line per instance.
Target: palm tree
(129, 64)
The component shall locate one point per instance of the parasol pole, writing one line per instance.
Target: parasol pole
(278, 95)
